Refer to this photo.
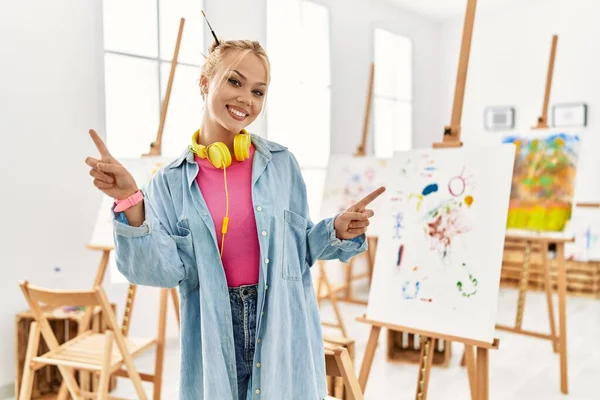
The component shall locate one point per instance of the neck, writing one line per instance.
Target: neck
(211, 131)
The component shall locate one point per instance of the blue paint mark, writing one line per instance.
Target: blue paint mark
(400, 255)
(432, 188)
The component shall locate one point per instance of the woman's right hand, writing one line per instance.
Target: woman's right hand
(109, 175)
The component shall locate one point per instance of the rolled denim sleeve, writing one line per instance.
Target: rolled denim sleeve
(147, 255)
(321, 240)
(323, 244)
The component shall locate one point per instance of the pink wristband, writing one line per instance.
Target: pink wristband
(122, 205)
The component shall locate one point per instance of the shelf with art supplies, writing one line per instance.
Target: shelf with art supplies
(540, 224)
(438, 277)
(142, 169)
(350, 178)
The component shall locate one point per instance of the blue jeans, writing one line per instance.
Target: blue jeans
(243, 317)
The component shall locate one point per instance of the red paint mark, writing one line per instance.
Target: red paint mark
(427, 300)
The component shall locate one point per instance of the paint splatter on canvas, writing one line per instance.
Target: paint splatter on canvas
(439, 257)
(544, 181)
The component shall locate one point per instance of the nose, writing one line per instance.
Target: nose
(244, 101)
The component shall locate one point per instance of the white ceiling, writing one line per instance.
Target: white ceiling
(442, 9)
(435, 9)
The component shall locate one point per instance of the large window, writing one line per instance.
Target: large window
(139, 42)
(392, 93)
(299, 104)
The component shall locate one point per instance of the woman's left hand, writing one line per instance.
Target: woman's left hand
(354, 221)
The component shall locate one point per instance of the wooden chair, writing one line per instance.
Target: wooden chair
(339, 364)
(88, 351)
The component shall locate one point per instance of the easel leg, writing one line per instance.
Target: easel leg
(332, 297)
(160, 345)
(365, 368)
(424, 367)
(349, 271)
(469, 357)
(548, 286)
(562, 316)
(523, 285)
(175, 298)
(371, 250)
(482, 374)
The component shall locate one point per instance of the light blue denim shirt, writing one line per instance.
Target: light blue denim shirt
(177, 246)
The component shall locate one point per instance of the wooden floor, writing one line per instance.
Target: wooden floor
(523, 369)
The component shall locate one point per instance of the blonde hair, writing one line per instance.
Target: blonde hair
(216, 52)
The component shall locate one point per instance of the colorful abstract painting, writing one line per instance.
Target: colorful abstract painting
(348, 180)
(439, 256)
(544, 181)
(142, 169)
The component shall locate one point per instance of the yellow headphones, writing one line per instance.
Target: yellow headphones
(218, 153)
(219, 156)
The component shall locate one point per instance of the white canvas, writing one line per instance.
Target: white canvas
(142, 169)
(446, 209)
(349, 179)
(585, 227)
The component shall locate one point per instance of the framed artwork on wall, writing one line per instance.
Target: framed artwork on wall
(499, 118)
(569, 115)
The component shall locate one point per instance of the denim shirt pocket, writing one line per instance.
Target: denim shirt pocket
(185, 249)
(183, 236)
(294, 245)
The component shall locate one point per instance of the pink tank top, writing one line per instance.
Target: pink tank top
(241, 253)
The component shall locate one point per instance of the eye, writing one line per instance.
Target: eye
(258, 93)
(234, 82)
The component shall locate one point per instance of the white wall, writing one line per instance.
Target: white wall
(352, 29)
(52, 92)
(508, 66)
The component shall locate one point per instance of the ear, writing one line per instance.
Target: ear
(203, 84)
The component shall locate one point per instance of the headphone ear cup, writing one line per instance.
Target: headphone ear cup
(196, 148)
(241, 146)
(218, 155)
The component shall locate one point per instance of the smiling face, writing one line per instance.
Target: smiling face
(236, 92)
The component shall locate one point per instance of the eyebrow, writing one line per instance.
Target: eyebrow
(243, 77)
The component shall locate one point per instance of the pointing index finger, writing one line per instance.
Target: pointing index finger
(371, 196)
(99, 144)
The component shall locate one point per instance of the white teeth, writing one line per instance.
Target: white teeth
(236, 112)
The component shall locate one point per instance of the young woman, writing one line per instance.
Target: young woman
(234, 233)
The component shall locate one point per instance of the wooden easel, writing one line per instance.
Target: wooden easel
(541, 239)
(477, 368)
(155, 150)
(331, 293)
(371, 240)
(558, 339)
